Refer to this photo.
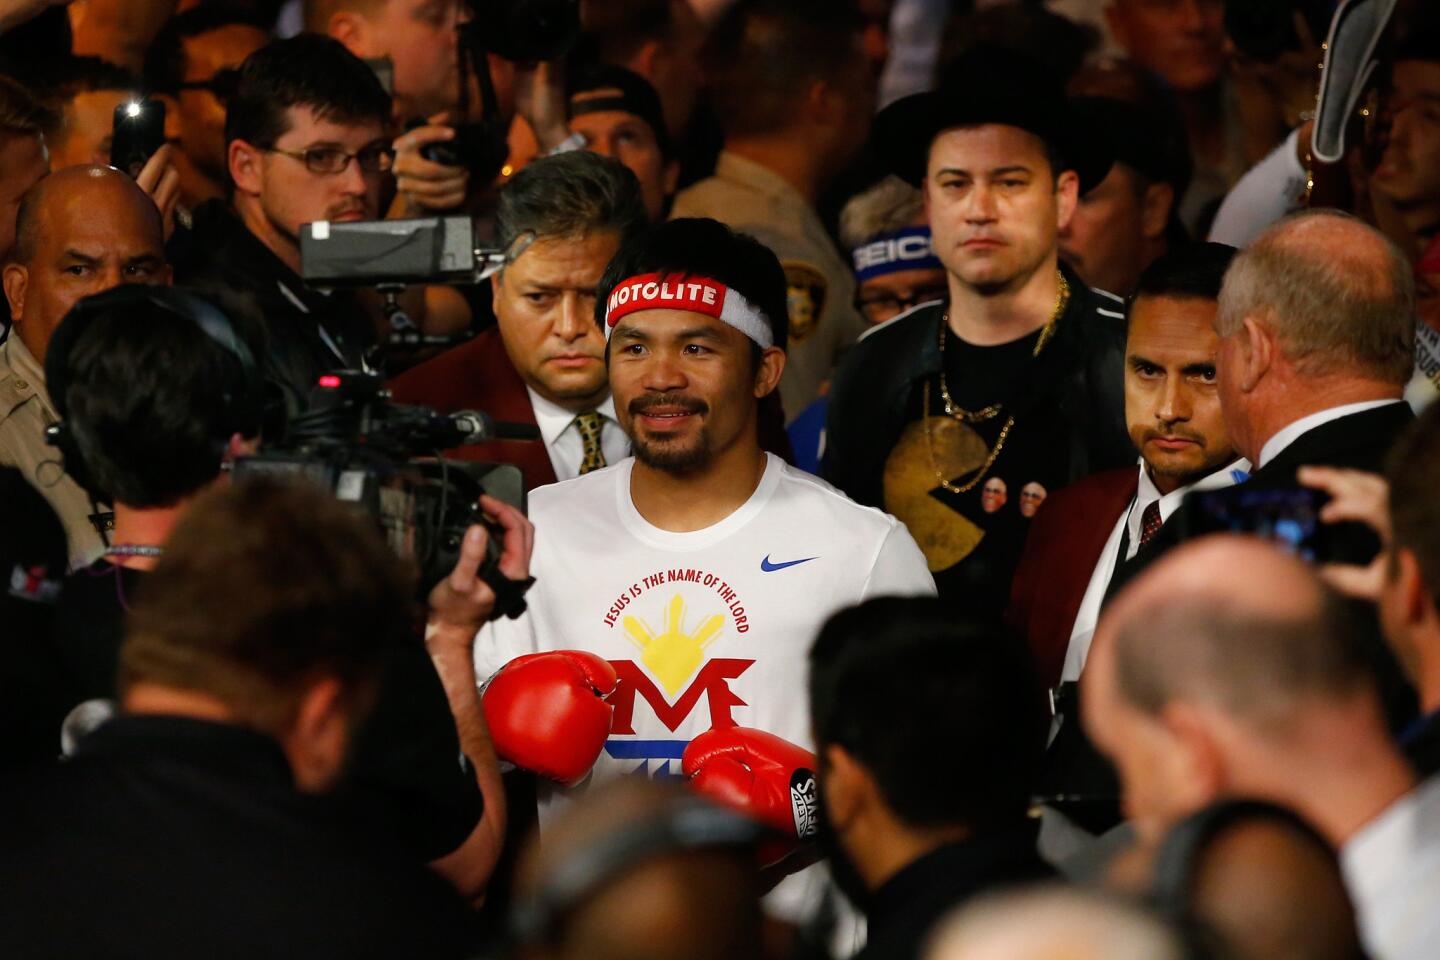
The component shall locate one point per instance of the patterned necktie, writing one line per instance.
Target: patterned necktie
(589, 425)
(1150, 522)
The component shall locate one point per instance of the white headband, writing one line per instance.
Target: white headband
(697, 294)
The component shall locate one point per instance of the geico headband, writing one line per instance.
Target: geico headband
(680, 291)
(907, 249)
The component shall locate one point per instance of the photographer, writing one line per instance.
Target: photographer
(305, 139)
(204, 821)
(159, 391)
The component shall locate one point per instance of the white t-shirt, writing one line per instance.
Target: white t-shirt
(709, 628)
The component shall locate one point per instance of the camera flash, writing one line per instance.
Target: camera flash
(132, 109)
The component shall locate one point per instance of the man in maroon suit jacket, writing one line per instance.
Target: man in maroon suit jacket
(560, 220)
(1086, 532)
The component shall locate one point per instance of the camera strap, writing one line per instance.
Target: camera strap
(509, 594)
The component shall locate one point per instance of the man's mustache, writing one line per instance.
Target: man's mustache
(640, 405)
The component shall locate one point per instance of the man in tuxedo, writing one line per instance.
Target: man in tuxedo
(1085, 532)
(560, 220)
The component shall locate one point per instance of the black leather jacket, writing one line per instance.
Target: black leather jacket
(870, 403)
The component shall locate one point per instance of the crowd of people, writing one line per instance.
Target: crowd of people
(936, 479)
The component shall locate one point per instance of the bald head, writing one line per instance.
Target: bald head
(1337, 294)
(79, 231)
(1046, 923)
(1236, 624)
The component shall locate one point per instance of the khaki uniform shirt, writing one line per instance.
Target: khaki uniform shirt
(823, 318)
(25, 412)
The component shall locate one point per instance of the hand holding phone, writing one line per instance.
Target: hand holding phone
(138, 132)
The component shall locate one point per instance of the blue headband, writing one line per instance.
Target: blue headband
(907, 249)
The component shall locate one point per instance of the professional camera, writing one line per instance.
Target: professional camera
(518, 30)
(387, 256)
(384, 458)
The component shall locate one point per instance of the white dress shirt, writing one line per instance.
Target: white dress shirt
(1146, 494)
(1392, 870)
(562, 437)
(1277, 444)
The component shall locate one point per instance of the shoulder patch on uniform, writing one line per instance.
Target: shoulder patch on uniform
(806, 291)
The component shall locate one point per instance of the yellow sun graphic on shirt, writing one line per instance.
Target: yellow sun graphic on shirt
(674, 655)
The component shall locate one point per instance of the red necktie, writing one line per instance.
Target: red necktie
(1150, 522)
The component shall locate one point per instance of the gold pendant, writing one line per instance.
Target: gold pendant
(945, 536)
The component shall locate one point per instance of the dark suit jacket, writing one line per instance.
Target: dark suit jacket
(478, 375)
(1360, 441)
(1061, 552)
(1357, 442)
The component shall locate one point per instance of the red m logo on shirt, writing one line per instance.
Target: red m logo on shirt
(712, 680)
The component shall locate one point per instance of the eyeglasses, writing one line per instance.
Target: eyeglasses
(879, 307)
(328, 161)
(224, 84)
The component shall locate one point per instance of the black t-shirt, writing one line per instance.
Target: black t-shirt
(973, 539)
(174, 837)
(407, 775)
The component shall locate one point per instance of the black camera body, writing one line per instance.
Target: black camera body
(525, 31)
(383, 459)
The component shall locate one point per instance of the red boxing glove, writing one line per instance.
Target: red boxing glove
(758, 774)
(547, 712)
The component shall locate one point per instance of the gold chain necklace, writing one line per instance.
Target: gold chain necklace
(956, 412)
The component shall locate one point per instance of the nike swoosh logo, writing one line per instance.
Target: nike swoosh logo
(768, 567)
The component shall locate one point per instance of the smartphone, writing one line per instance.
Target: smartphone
(1288, 517)
(139, 131)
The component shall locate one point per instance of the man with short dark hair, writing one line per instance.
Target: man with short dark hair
(1086, 532)
(719, 560)
(206, 800)
(157, 406)
(910, 839)
(1018, 376)
(306, 139)
(794, 100)
(84, 91)
(561, 219)
(79, 231)
(193, 64)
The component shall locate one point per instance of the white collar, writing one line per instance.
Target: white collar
(1147, 493)
(1277, 444)
(553, 419)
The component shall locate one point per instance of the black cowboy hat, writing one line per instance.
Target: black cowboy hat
(990, 85)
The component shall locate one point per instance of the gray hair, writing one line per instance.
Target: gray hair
(889, 205)
(1335, 304)
(569, 195)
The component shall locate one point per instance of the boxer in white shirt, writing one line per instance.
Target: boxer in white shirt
(703, 567)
